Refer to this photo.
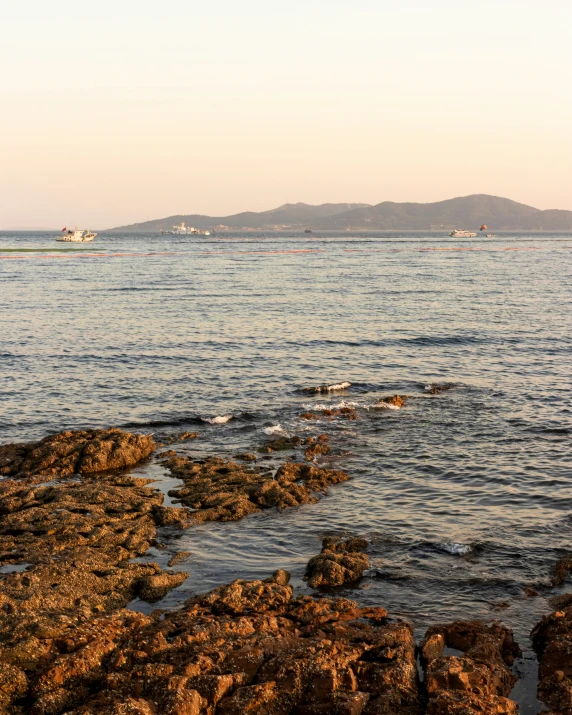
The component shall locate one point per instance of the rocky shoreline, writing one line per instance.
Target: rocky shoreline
(71, 522)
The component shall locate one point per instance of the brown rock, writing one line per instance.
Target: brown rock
(220, 490)
(81, 452)
(340, 562)
(478, 681)
(156, 586)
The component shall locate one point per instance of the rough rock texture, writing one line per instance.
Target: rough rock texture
(552, 641)
(476, 682)
(243, 648)
(68, 453)
(341, 561)
(73, 540)
(220, 490)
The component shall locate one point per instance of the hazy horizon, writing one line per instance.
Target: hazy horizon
(118, 113)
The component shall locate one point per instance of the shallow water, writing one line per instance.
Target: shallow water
(465, 495)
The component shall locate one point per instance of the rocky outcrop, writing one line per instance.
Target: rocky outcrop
(346, 413)
(221, 490)
(340, 562)
(70, 543)
(552, 641)
(248, 647)
(478, 681)
(68, 453)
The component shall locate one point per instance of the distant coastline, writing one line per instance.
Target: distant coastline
(500, 214)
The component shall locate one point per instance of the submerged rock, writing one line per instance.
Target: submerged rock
(478, 681)
(80, 452)
(561, 570)
(347, 413)
(221, 490)
(340, 562)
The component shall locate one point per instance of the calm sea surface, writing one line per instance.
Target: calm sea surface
(465, 496)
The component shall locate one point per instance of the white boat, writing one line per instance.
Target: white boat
(78, 235)
(182, 230)
(461, 233)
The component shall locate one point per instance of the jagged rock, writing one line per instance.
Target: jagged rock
(478, 681)
(341, 561)
(220, 490)
(316, 446)
(80, 452)
(245, 647)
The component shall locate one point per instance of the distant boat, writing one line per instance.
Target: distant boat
(182, 230)
(308, 230)
(461, 233)
(491, 235)
(76, 236)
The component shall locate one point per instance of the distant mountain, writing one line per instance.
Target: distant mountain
(464, 212)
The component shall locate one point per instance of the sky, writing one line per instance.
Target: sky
(117, 112)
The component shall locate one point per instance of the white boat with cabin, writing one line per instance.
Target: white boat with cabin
(78, 235)
(461, 233)
(182, 230)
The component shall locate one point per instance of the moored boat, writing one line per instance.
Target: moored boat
(78, 235)
(461, 233)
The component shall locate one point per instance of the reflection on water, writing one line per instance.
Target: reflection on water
(464, 495)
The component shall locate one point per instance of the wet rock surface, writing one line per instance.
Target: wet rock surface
(221, 490)
(552, 641)
(347, 413)
(479, 680)
(80, 452)
(340, 562)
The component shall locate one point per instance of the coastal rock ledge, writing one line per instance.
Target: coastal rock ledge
(77, 452)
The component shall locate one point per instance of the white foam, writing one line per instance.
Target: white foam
(275, 429)
(456, 549)
(218, 420)
(338, 386)
(383, 406)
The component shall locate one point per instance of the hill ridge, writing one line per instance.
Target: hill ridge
(500, 214)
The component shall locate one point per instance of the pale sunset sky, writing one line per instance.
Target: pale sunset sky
(115, 112)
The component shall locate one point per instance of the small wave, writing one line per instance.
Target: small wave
(320, 389)
(274, 429)
(218, 420)
(455, 549)
(383, 406)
